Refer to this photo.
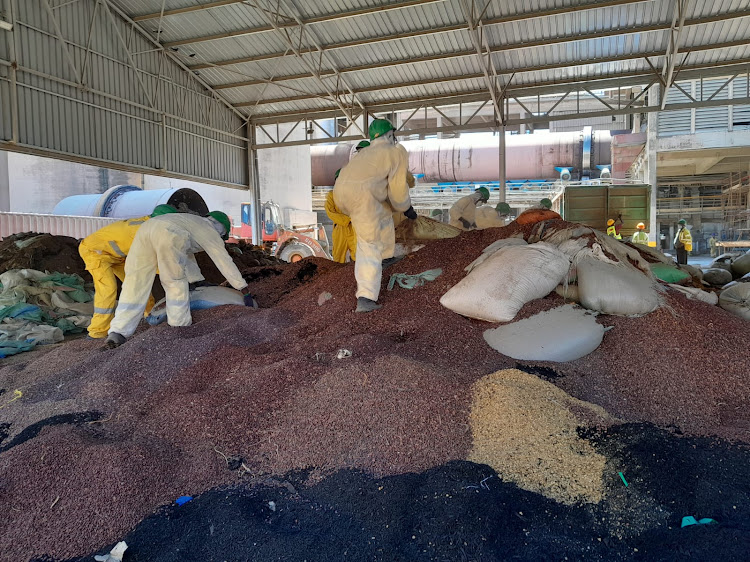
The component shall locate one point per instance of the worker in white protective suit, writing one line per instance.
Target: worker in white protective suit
(492, 217)
(167, 242)
(463, 211)
(369, 189)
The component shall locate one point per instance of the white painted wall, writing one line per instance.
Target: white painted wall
(286, 177)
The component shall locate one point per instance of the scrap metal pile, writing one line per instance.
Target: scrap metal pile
(396, 435)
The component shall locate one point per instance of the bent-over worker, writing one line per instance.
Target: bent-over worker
(167, 242)
(640, 236)
(369, 188)
(463, 211)
(104, 253)
(492, 217)
(613, 229)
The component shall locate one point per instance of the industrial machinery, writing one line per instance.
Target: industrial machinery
(290, 243)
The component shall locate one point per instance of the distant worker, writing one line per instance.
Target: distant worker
(104, 253)
(683, 242)
(167, 241)
(492, 217)
(357, 148)
(463, 211)
(613, 227)
(640, 236)
(344, 237)
(369, 189)
(712, 245)
(545, 204)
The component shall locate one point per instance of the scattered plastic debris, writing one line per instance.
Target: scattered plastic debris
(323, 298)
(690, 520)
(182, 500)
(622, 477)
(272, 505)
(407, 281)
(115, 555)
(343, 354)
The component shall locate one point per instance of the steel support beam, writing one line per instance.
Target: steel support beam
(673, 46)
(494, 21)
(304, 34)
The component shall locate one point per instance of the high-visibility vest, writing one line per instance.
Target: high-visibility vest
(611, 231)
(640, 237)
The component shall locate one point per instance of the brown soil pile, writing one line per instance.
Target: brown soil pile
(265, 385)
(424, 229)
(45, 253)
(526, 429)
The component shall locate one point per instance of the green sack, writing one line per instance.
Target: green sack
(669, 273)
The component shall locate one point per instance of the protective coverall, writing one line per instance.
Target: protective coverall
(712, 246)
(369, 189)
(167, 242)
(463, 212)
(344, 237)
(683, 243)
(640, 237)
(487, 216)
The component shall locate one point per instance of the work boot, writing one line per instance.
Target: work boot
(115, 340)
(366, 305)
(388, 262)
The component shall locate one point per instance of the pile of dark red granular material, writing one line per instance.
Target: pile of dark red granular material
(243, 396)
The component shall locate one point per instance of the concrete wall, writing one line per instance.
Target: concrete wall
(37, 184)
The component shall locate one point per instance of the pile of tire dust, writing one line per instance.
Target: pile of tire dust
(464, 511)
(44, 252)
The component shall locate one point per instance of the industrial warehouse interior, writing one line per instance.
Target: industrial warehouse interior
(374, 280)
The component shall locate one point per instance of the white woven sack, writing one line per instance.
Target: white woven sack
(615, 289)
(512, 276)
(562, 334)
(697, 294)
(494, 247)
(736, 300)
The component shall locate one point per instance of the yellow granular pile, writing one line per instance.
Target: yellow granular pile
(525, 428)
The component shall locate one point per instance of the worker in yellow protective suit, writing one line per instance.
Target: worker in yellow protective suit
(492, 217)
(369, 189)
(344, 237)
(683, 242)
(463, 211)
(712, 245)
(104, 254)
(640, 236)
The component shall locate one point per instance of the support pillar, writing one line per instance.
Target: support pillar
(501, 160)
(253, 180)
(651, 142)
(4, 182)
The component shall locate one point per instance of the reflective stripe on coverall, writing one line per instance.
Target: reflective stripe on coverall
(166, 242)
(344, 237)
(488, 217)
(612, 231)
(368, 190)
(465, 208)
(104, 253)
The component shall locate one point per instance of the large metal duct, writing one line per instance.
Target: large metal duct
(128, 201)
(472, 159)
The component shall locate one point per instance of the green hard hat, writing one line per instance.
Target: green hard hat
(436, 213)
(379, 127)
(546, 203)
(503, 208)
(163, 210)
(682, 221)
(224, 220)
(485, 193)
(362, 144)
(336, 175)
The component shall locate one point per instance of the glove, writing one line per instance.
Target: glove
(410, 213)
(250, 301)
(466, 224)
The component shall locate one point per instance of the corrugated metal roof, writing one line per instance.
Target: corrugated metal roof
(390, 51)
